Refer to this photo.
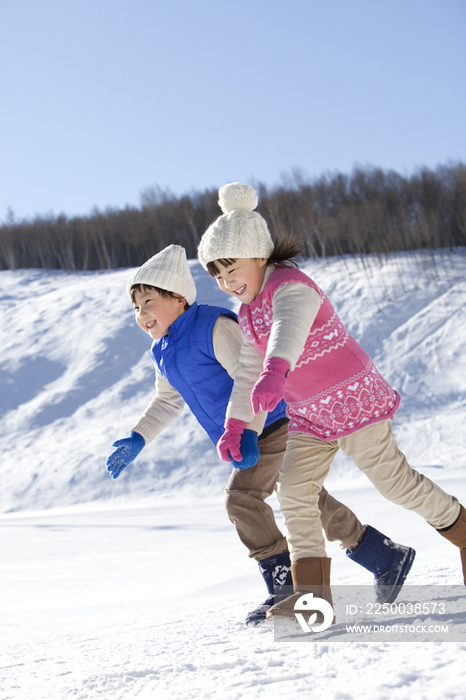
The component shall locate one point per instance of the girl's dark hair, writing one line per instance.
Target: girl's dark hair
(148, 288)
(283, 254)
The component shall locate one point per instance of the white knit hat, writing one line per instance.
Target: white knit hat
(240, 232)
(168, 270)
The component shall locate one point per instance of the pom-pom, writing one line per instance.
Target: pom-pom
(237, 196)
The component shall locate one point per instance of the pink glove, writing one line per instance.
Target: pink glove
(229, 444)
(269, 388)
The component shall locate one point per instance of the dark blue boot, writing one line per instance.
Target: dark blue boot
(389, 562)
(277, 573)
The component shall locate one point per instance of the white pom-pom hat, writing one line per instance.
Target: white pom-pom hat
(240, 232)
(168, 270)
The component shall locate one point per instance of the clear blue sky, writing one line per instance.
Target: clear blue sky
(101, 99)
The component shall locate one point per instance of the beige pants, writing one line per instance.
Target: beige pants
(375, 452)
(254, 519)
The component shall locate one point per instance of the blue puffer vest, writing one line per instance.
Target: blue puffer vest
(186, 358)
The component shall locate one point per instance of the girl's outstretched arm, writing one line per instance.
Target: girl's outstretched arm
(227, 340)
(249, 369)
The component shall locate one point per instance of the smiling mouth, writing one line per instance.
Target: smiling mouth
(150, 324)
(240, 290)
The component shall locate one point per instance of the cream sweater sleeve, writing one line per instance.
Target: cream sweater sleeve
(249, 369)
(295, 308)
(228, 340)
(165, 406)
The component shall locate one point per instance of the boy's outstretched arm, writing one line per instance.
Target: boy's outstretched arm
(165, 406)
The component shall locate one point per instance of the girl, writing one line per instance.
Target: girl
(335, 396)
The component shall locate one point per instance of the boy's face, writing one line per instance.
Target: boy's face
(154, 313)
(242, 279)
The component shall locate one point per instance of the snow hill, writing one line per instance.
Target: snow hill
(75, 374)
(138, 588)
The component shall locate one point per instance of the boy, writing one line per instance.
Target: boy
(196, 350)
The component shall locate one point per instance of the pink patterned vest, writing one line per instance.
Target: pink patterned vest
(335, 388)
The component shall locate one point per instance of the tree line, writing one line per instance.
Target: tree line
(369, 210)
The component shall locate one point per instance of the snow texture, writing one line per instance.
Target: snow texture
(138, 587)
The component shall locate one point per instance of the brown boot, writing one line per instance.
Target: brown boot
(456, 534)
(310, 575)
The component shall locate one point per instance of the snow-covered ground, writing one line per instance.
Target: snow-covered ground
(138, 588)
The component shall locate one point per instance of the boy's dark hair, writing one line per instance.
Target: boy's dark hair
(282, 255)
(163, 292)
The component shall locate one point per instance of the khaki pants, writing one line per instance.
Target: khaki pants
(254, 519)
(375, 452)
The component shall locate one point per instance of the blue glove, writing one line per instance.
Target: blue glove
(127, 450)
(249, 451)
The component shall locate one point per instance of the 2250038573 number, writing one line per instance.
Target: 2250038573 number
(425, 608)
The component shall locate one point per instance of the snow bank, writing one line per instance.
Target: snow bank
(76, 373)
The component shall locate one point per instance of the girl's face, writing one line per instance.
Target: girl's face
(242, 279)
(155, 314)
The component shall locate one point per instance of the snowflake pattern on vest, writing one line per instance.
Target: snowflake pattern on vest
(330, 336)
(349, 406)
